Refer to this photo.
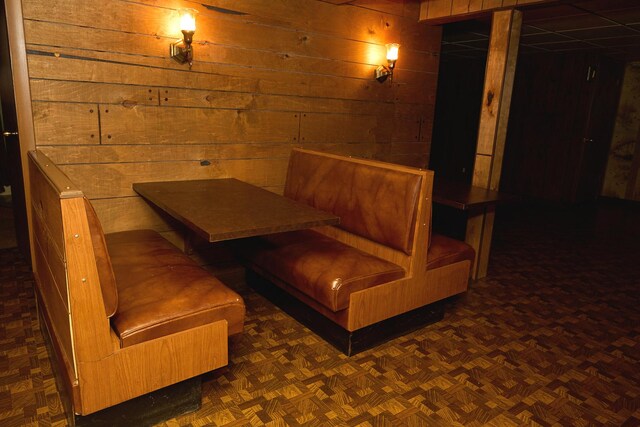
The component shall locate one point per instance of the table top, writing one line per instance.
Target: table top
(464, 196)
(223, 209)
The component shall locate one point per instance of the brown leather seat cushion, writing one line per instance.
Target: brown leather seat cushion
(445, 250)
(162, 291)
(321, 267)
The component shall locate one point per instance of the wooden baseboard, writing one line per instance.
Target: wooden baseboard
(350, 343)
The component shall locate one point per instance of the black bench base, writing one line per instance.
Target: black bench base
(149, 409)
(350, 343)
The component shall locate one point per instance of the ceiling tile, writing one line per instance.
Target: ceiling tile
(599, 32)
(523, 49)
(529, 29)
(573, 23)
(609, 27)
(448, 48)
(545, 13)
(569, 45)
(605, 5)
(627, 16)
(618, 41)
(543, 38)
(463, 37)
(478, 44)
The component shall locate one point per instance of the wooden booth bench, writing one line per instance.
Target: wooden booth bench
(127, 313)
(375, 275)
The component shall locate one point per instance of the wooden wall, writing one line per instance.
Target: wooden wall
(111, 108)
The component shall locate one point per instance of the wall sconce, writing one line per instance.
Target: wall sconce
(382, 72)
(181, 50)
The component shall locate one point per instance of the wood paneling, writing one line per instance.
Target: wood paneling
(112, 108)
(161, 125)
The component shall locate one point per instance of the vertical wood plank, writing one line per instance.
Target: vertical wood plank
(459, 7)
(500, 71)
(494, 116)
(475, 5)
(481, 170)
(439, 8)
(491, 4)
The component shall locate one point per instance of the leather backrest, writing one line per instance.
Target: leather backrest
(372, 201)
(103, 261)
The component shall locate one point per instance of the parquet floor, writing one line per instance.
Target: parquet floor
(550, 338)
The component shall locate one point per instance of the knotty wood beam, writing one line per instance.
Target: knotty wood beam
(438, 12)
(494, 116)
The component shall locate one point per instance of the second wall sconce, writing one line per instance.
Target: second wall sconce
(181, 50)
(385, 71)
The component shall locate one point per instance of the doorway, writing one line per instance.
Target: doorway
(13, 213)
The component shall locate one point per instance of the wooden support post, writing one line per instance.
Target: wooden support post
(492, 131)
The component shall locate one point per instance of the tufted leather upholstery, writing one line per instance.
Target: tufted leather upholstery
(321, 267)
(162, 291)
(103, 262)
(376, 203)
(445, 250)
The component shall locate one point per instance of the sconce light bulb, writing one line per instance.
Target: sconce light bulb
(188, 20)
(392, 51)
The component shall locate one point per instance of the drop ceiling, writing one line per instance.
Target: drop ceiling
(609, 27)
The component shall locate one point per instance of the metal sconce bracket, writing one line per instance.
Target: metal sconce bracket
(382, 72)
(181, 50)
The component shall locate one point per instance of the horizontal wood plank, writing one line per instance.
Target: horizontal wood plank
(337, 128)
(115, 179)
(173, 125)
(65, 123)
(125, 153)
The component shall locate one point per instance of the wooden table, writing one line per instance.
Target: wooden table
(476, 202)
(463, 196)
(223, 209)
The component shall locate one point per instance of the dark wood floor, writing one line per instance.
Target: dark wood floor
(551, 337)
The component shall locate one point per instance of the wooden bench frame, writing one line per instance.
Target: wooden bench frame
(419, 288)
(95, 370)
